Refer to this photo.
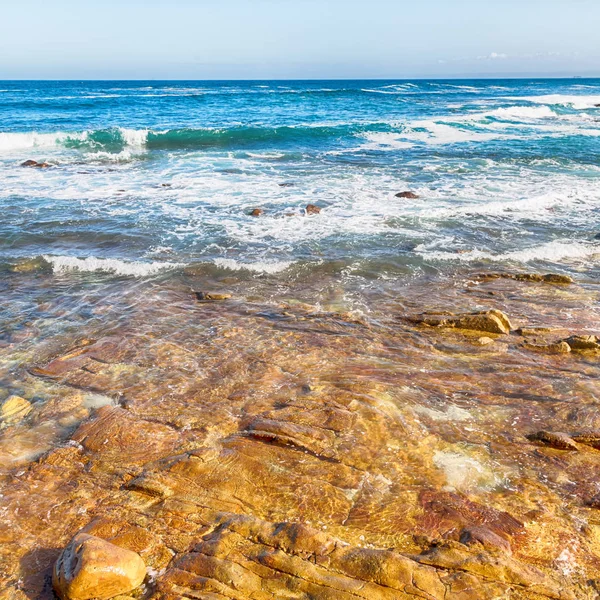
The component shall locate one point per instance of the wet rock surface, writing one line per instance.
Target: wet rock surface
(298, 448)
(408, 195)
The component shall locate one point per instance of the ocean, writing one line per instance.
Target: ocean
(147, 176)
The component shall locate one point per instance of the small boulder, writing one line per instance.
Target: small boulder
(90, 567)
(485, 341)
(312, 209)
(597, 236)
(286, 184)
(408, 195)
(554, 439)
(211, 297)
(257, 212)
(14, 409)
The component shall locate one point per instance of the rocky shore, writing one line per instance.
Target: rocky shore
(441, 441)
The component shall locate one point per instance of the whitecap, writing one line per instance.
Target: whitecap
(62, 264)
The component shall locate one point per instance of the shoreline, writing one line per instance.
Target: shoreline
(298, 436)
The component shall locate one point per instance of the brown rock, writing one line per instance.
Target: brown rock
(408, 195)
(211, 296)
(583, 342)
(556, 348)
(34, 163)
(491, 321)
(312, 209)
(90, 567)
(485, 341)
(257, 212)
(589, 438)
(535, 277)
(555, 439)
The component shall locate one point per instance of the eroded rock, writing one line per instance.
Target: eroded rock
(408, 195)
(312, 209)
(90, 567)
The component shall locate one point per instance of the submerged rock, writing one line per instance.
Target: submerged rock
(14, 409)
(486, 537)
(286, 184)
(408, 195)
(312, 209)
(211, 297)
(534, 277)
(491, 321)
(90, 567)
(555, 439)
(257, 212)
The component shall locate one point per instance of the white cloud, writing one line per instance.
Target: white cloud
(494, 56)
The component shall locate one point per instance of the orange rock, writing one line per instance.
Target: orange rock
(90, 567)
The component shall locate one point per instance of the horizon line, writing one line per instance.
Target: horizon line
(318, 79)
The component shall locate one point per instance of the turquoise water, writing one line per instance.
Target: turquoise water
(151, 177)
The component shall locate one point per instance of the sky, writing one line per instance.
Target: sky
(298, 39)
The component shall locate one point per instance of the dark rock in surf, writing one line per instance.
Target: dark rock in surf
(35, 164)
(312, 209)
(257, 212)
(408, 195)
(286, 184)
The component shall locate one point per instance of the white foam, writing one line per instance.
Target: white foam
(385, 140)
(578, 102)
(555, 251)
(62, 264)
(257, 267)
(523, 112)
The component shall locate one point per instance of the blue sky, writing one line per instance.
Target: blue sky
(262, 39)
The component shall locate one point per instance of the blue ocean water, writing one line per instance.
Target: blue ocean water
(151, 176)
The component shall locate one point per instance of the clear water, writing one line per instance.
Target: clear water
(150, 176)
